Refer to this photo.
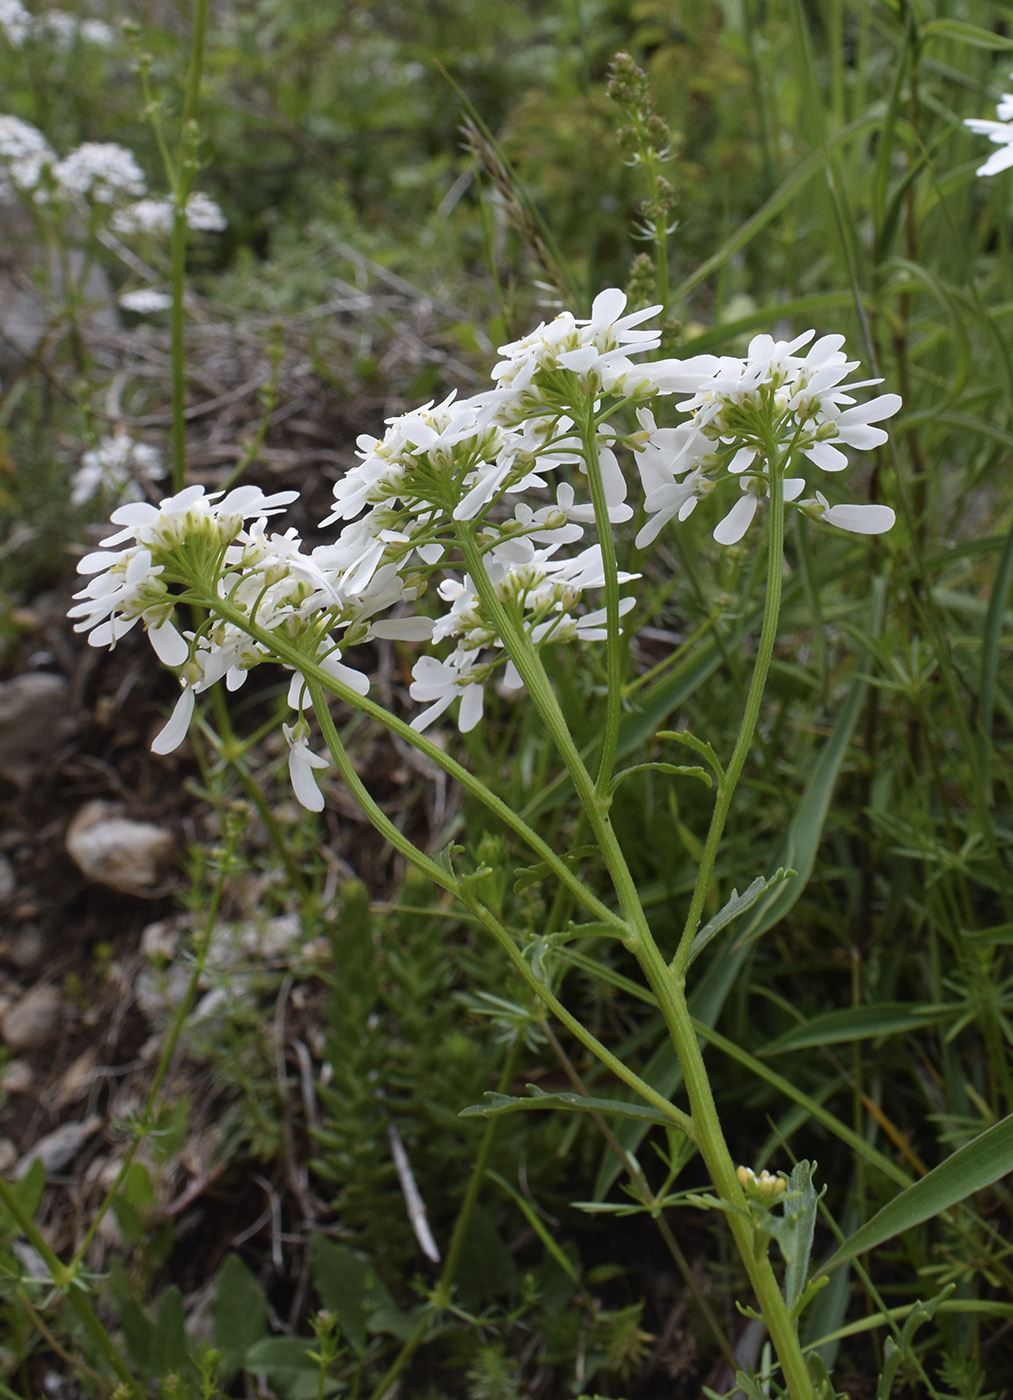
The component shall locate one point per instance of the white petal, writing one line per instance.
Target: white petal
(827, 457)
(170, 648)
(173, 734)
(861, 519)
(301, 762)
(404, 629)
(608, 306)
(737, 521)
(470, 713)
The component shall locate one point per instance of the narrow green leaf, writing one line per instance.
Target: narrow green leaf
(858, 1023)
(538, 1225)
(736, 905)
(972, 1168)
(673, 768)
(966, 34)
(497, 1104)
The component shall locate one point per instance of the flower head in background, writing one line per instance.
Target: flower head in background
(25, 156)
(117, 465)
(155, 216)
(145, 301)
(1000, 131)
(102, 171)
(16, 24)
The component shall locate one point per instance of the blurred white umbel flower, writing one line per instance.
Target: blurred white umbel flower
(15, 22)
(24, 155)
(102, 171)
(117, 465)
(1000, 131)
(145, 301)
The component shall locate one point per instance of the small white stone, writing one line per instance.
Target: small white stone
(59, 1147)
(33, 1019)
(112, 850)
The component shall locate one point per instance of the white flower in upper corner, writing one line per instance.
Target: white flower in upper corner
(116, 465)
(102, 171)
(15, 22)
(62, 30)
(145, 301)
(1000, 132)
(24, 156)
(301, 763)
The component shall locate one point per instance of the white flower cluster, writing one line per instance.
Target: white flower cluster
(773, 398)
(101, 172)
(25, 156)
(1000, 131)
(117, 466)
(483, 492)
(154, 216)
(57, 28)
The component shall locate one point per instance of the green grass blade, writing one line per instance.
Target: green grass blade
(972, 1168)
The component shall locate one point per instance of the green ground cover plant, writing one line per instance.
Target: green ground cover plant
(670, 1051)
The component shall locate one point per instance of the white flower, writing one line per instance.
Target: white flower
(204, 215)
(116, 465)
(775, 393)
(97, 32)
(127, 584)
(15, 22)
(145, 300)
(144, 216)
(1000, 132)
(597, 350)
(155, 216)
(24, 155)
(100, 170)
(301, 763)
(441, 682)
(858, 519)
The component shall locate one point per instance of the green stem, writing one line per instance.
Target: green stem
(531, 671)
(765, 651)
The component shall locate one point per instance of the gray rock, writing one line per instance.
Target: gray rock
(110, 849)
(33, 1019)
(33, 715)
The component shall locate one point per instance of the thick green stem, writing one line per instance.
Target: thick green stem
(765, 650)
